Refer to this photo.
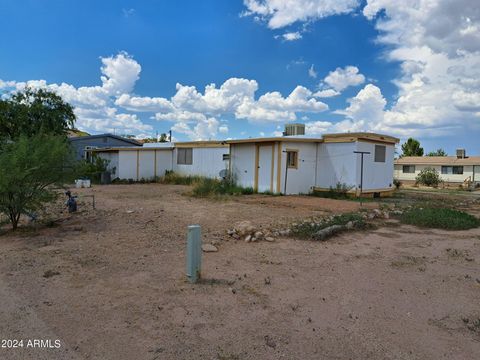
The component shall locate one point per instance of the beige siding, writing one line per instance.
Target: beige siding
(456, 178)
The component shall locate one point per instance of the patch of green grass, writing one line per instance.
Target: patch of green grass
(440, 218)
(307, 230)
(173, 178)
(211, 187)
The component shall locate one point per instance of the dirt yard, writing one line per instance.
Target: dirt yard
(110, 284)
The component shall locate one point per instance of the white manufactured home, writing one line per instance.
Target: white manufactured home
(295, 165)
(202, 158)
(453, 170)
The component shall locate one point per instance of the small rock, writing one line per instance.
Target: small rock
(244, 228)
(49, 273)
(233, 290)
(269, 239)
(270, 342)
(248, 238)
(236, 236)
(350, 225)
(258, 235)
(130, 211)
(267, 280)
(209, 248)
(231, 232)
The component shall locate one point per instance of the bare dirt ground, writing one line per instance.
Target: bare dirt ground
(110, 284)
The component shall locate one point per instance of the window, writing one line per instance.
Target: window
(226, 157)
(184, 156)
(292, 159)
(408, 169)
(380, 151)
(456, 170)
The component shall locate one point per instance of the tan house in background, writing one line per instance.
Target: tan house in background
(454, 170)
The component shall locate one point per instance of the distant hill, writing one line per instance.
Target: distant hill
(76, 132)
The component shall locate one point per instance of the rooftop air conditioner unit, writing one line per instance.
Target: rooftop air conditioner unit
(461, 154)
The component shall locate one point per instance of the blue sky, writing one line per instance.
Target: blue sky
(390, 69)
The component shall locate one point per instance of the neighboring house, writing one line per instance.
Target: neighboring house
(82, 144)
(295, 165)
(454, 170)
(202, 158)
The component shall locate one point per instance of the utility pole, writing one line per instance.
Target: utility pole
(361, 168)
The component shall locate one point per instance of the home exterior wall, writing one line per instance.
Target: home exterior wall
(376, 175)
(337, 164)
(242, 162)
(206, 161)
(320, 165)
(112, 158)
(127, 164)
(451, 178)
(302, 179)
(146, 164)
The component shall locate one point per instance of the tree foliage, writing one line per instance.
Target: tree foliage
(32, 112)
(30, 167)
(428, 177)
(93, 169)
(412, 148)
(438, 152)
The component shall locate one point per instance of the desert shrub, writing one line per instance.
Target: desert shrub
(428, 177)
(173, 178)
(210, 187)
(308, 229)
(30, 170)
(339, 191)
(92, 169)
(440, 218)
(397, 183)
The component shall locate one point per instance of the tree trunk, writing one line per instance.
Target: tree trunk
(14, 218)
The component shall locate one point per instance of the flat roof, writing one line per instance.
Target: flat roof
(328, 138)
(359, 136)
(437, 160)
(275, 139)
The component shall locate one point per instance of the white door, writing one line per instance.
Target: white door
(265, 167)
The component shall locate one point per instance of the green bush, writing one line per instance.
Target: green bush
(210, 187)
(428, 177)
(31, 167)
(93, 169)
(440, 218)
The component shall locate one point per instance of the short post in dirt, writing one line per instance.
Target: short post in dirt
(194, 253)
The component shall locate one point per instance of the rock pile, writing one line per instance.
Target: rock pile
(249, 233)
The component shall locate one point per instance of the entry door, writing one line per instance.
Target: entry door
(265, 166)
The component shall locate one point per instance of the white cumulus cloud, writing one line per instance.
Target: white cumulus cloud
(280, 13)
(341, 78)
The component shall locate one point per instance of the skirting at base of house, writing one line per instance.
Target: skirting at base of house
(368, 193)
